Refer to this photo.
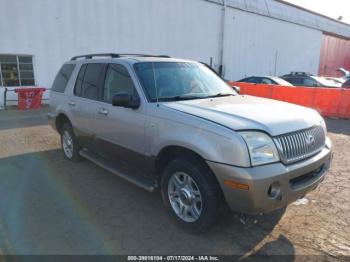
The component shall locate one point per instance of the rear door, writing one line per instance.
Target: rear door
(84, 102)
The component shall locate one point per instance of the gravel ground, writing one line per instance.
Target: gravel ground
(49, 205)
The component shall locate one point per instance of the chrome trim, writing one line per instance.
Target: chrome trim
(299, 145)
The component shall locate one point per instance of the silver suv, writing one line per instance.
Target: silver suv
(173, 124)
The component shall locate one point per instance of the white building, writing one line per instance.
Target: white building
(246, 37)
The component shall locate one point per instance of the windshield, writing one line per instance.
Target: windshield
(281, 81)
(172, 81)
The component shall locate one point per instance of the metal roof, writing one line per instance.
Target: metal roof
(285, 11)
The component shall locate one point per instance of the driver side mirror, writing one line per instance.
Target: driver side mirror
(125, 100)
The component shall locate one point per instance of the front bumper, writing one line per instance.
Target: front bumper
(294, 182)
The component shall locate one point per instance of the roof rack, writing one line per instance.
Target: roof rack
(300, 73)
(89, 56)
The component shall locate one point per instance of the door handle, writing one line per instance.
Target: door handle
(103, 111)
(71, 103)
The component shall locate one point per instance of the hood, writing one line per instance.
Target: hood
(249, 112)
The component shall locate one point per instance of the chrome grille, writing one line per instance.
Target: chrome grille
(301, 144)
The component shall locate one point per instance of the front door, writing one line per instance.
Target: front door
(121, 131)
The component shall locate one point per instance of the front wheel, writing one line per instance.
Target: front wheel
(191, 193)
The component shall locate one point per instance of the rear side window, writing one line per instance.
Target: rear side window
(62, 77)
(88, 81)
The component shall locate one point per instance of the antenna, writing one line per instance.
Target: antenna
(155, 82)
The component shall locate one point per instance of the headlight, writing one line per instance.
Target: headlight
(323, 124)
(261, 148)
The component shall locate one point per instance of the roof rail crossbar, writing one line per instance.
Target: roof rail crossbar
(300, 73)
(89, 56)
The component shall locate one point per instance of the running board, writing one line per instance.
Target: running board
(136, 179)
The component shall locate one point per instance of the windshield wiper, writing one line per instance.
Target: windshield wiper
(180, 97)
(220, 95)
(190, 97)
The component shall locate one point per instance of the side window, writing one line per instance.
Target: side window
(88, 81)
(309, 82)
(297, 81)
(256, 80)
(267, 81)
(250, 80)
(244, 80)
(79, 81)
(62, 77)
(91, 81)
(117, 80)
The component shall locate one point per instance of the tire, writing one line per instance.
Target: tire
(194, 212)
(69, 143)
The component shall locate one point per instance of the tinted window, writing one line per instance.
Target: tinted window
(79, 81)
(91, 81)
(254, 80)
(297, 81)
(309, 82)
(117, 80)
(267, 81)
(88, 81)
(62, 77)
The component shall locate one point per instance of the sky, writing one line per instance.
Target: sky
(331, 8)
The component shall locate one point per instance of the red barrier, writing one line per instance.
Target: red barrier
(29, 98)
(328, 101)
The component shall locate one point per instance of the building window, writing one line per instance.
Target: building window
(16, 70)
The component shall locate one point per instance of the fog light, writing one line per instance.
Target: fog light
(274, 190)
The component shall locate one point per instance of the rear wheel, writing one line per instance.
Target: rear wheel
(69, 143)
(190, 193)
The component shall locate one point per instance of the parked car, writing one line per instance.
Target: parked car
(305, 79)
(236, 88)
(173, 124)
(269, 80)
(346, 84)
(336, 80)
(345, 73)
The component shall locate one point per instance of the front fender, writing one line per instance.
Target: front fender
(211, 141)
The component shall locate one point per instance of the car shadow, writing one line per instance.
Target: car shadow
(49, 205)
(281, 246)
